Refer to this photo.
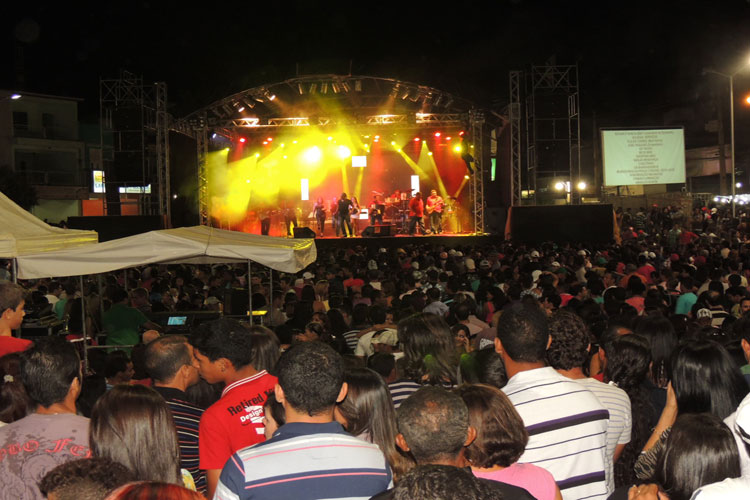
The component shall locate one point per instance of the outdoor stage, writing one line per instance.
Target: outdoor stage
(400, 241)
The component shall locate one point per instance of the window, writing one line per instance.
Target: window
(20, 120)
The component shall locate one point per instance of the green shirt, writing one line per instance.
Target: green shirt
(122, 323)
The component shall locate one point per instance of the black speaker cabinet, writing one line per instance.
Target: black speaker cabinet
(304, 232)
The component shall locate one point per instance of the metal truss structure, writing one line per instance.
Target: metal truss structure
(514, 117)
(548, 89)
(476, 183)
(134, 139)
(359, 102)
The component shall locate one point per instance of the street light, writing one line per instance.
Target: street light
(731, 122)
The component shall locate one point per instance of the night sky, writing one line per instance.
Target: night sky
(637, 59)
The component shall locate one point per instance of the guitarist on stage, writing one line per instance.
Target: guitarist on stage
(434, 208)
(376, 211)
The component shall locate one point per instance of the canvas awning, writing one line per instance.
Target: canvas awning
(193, 245)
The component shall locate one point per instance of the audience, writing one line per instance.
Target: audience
(52, 433)
(616, 364)
(310, 456)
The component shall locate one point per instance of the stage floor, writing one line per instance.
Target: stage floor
(401, 240)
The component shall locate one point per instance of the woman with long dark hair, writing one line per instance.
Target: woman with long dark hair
(703, 381)
(429, 350)
(628, 360)
(132, 425)
(367, 412)
(700, 450)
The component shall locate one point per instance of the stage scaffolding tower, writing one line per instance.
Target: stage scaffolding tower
(476, 183)
(553, 129)
(134, 139)
(514, 117)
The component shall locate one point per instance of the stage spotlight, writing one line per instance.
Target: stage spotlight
(312, 155)
(457, 148)
(461, 133)
(213, 136)
(417, 139)
(559, 186)
(738, 185)
(330, 138)
(257, 155)
(393, 143)
(270, 139)
(448, 138)
(300, 89)
(437, 134)
(429, 153)
(265, 143)
(377, 137)
(581, 186)
(15, 97)
(272, 97)
(466, 176)
(243, 140)
(241, 109)
(344, 152)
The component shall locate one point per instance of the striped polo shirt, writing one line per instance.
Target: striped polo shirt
(187, 418)
(567, 429)
(306, 461)
(617, 402)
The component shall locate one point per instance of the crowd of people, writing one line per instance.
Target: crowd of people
(545, 371)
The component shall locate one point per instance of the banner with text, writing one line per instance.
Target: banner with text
(643, 156)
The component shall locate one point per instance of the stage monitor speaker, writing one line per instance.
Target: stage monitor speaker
(304, 232)
(377, 231)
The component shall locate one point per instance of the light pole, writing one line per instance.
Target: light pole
(730, 77)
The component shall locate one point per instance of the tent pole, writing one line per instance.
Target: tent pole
(15, 270)
(125, 278)
(250, 291)
(85, 330)
(101, 295)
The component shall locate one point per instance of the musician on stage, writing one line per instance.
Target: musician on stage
(376, 211)
(354, 211)
(319, 209)
(290, 217)
(416, 213)
(264, 214)
(344, 215)
(434, 208)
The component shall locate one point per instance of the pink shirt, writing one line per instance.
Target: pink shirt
(533, 479)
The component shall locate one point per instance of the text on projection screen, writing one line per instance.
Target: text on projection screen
(635, 157)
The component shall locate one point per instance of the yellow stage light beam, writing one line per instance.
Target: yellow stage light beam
(461, 187)
(417, 169)
(358, 185)
(427, 162)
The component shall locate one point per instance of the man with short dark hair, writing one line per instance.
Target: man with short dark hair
(567, 425)
(224, 352)
(433, 426)
(172, 367)
(568, 353)
(84, 479)
(11, 316)
(311, 456)
(53, 434)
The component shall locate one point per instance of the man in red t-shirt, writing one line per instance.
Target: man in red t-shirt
(11, 317)
(224, 352)
(416, 213)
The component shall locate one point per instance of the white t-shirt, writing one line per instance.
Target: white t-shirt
(617, 402)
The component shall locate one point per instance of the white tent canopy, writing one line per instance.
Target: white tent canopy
(22, 233)
(195, 245)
